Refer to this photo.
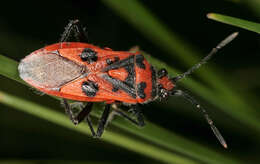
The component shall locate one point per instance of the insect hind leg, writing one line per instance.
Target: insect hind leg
(138, 120)
(84, 114)
(103, 121)
(108, 116)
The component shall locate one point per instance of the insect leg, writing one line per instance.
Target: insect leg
(84, 114)
(137, 112)
(204, 112)
(74, 28)
(69, 112)
(91, 126)
(103, 121)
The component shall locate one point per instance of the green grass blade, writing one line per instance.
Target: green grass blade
(9, 68)
(248, 25)
(136, 145)
(151, 132)
(152, 28)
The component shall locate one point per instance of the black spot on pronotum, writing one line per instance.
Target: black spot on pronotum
(139, 61)
(109, 61)
(140, 89)
(90, 88)
(89, 55)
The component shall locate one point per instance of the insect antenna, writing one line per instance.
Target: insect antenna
(191, 99)
(205, 59)
(204, 112)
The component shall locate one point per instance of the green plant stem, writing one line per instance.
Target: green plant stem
(139, 146)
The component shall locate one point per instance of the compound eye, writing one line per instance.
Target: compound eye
(163, 93)
(89, 55)
(162, 73)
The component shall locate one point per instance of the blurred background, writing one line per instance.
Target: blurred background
(29, 25)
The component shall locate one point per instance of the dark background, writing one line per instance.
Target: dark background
(29, 25)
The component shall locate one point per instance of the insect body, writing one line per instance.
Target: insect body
(84, 72)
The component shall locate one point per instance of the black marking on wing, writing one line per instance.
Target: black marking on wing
(90, 88)
(115, 88)
(130, 79)
(121, 85)
(139, 59)
(140, 90)
(116, 59)
(128, 85)
(154, 86)
(119, 64)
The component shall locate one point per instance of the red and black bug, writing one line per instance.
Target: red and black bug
(87, 73)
